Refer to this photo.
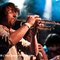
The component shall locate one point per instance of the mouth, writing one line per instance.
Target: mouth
(13, 20)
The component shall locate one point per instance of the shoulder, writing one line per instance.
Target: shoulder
(4, 31)
(56, 58)
(1, 28)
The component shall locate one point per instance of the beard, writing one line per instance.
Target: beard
(11, 22)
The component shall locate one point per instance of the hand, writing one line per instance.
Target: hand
(40, 23)
(40, 47)
(31, 19)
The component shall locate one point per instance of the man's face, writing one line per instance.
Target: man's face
(11, 16)
(54, 50)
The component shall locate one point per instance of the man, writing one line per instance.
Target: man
(53, 45)
(9, 36)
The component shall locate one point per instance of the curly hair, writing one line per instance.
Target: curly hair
(3, 10)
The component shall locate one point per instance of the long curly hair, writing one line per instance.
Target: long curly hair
(3, 10)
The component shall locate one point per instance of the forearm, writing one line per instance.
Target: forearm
(18, 34)
(35, 45)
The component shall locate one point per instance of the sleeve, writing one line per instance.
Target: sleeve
(4, 41)
(4, 45)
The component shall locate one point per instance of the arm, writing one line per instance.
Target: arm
(35, 47)
(19, 33)
(32, 38)
(44, 55)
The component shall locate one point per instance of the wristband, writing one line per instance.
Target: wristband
(28, 25)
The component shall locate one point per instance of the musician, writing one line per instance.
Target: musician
(9, 36)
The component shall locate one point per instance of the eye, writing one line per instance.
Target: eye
(10, 11)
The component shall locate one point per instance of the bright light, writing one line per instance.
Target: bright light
(18, 3)
(57, 0)
(47, 11)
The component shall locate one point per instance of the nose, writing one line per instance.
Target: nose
(14, 14)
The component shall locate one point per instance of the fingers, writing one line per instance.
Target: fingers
(31, 19)
(35, 19)
(40, 23)
(40, 47)
(35, 16)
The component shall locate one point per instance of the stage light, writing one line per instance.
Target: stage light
(19, 3)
